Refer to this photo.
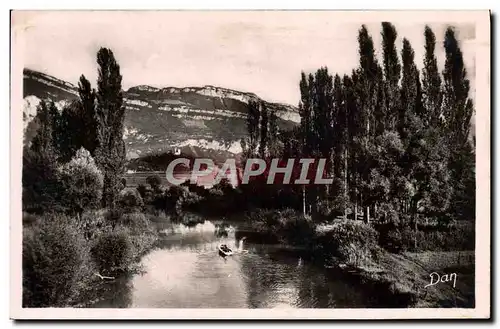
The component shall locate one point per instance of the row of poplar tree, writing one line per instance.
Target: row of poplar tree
(397, 140)
(94, 121)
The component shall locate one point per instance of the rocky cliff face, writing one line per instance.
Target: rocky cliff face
(157, 120)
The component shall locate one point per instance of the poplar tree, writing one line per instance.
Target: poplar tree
(47, 118)
(110, 155)
(410, 91)
(457, 112)
(41, 187)
(340, 139)
(72, 131)
(458, 107)
(305, 130)
(369, 100)
(392, 75)
(431, 82)
(88, 115)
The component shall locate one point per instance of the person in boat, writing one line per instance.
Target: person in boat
(225, 248)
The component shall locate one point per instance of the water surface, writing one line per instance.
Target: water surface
(186, 271)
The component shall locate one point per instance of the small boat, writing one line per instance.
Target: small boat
(224, 250)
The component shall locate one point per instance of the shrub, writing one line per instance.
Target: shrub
(82, 183)
(284, 226)
(55, 262)
(113, 251)
(92, 222)
(394, 241)
(263, 220)
(176, 198)
(154, 181)
(135, 221)
(142, 189)
(350, 242)
(130, 200)
(113, 216)
(298, 229)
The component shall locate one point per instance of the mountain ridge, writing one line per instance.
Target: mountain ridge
(167, 118)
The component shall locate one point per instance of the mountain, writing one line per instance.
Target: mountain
(197, 120)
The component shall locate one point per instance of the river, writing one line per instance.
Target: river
(186, 271)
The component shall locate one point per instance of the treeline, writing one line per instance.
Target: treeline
(79, 227)
(396, 139)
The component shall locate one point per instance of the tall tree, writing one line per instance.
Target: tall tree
(352, 134)
(457, 111)
(458, 107)
(41, 187)
(89, 116)
(45, 139)
(431, 81)
(410, 91)
(72, 132)
(306, 131)
(110, 111)
(369, 101)
(340, 140)
(392, 75)
(78, 125)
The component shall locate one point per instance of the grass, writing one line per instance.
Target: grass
(407, 279)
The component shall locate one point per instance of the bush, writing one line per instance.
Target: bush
(135, 221)
(92, 222)
(394, 241)
(145, 192)
(347, 241)
(82, 183)
(298, 230)
(284, 226)
(55, 263)
(113, 216)
(263, 220)
(113, 252)
(130, 200)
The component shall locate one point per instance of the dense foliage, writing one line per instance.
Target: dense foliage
(397, 141)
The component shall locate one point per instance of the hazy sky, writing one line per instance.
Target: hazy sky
(260, 52)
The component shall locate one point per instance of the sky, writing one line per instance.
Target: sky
(261, 52)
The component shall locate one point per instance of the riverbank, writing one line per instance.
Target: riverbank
(408, 282)
(351, 249)
(68, 261)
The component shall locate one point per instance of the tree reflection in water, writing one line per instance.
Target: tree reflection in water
(221, 230)
(280, 279)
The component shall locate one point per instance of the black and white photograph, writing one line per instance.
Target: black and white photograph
(250, 164)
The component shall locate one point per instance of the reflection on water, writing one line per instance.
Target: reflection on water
(187, 272)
